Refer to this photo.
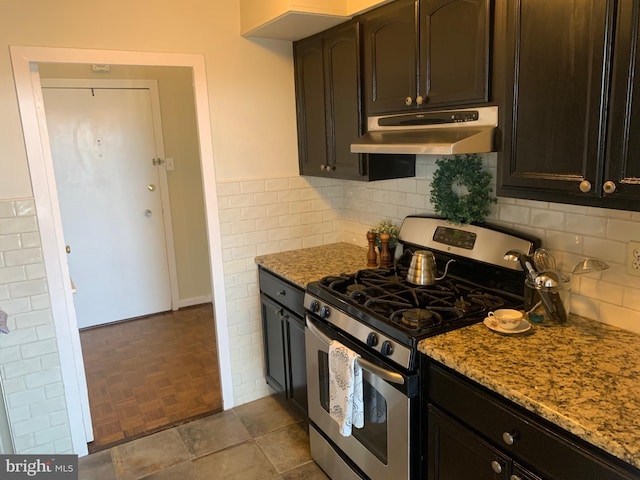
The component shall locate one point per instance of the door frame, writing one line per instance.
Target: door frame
(29, 92)
(152, 86)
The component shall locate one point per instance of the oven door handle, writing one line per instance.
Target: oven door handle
(372, 368)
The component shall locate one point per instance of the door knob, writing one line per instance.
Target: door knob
(67, 249)
(151, 187)
(147, 213)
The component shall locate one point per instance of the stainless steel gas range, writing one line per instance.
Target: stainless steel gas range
(381, 316)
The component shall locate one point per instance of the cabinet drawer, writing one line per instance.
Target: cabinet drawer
(282, 291)
(535, 444)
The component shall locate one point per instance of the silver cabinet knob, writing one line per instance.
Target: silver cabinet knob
(508, 438)
(147, 213)
(585, 186)
(151, 187)
(419, 100)
(514, 477)
(496, 466)
(408, 101)
(67, 249)
(609, 187)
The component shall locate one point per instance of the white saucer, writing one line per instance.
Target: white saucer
(524, 326)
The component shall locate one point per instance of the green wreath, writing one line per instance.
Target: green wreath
(464, 171)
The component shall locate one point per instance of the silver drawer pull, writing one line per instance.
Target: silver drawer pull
(496, 467)
(508, 438)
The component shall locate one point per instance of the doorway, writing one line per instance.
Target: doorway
(107, 148)
(27, 79)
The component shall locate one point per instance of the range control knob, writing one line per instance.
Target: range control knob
(325, 312)
(314, 306)
(387, 348)
(372, 339)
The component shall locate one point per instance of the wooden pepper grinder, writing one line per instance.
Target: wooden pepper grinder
(385, 253)
(372, 256)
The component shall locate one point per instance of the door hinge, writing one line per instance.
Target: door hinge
(157, 161)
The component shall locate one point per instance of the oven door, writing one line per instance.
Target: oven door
(380, 449)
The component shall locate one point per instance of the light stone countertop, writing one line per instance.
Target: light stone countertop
(583, 376)
(310, 264)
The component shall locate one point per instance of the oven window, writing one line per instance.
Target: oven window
(373, 436)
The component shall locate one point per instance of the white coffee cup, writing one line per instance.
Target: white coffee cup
(507, 318)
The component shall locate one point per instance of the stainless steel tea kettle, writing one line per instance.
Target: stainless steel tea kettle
(422, 270)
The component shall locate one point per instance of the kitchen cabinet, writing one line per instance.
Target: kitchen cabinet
(570, 114)
(329, 110)
(449, 443)
(501, 439)
(426, 54)
(282, 310)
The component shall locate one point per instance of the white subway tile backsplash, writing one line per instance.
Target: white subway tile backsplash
(24, 256)
(10, 242)
(623, 230)
(586, 225)
(18, 225)
(9, 275)
(23, 295)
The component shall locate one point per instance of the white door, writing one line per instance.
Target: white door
(103, 145)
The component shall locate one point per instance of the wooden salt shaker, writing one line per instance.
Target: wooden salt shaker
(385, 253)
(372, 256)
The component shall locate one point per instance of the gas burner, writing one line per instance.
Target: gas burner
(419, 317)
(355, 288)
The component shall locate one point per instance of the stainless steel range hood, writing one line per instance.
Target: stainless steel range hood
(443, 132)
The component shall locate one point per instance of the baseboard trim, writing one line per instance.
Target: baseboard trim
(189, 302)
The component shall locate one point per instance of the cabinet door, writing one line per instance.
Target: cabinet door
(310, 105)
(297, 363)
(455, 48)
(623, 153)
(455, 453)
(273, 330)
(342, 69)
(391, 49)
(555, 97)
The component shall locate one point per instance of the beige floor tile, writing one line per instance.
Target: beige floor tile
(96, 466)
(265, 415)
(213, 433)
(241, 462)
(147, 455)
(287, 448)
(308, 471)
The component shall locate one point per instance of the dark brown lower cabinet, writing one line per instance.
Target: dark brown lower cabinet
(473, 433)
(456, 453)
(282, 311)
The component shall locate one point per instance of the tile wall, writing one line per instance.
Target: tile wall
(29, 361)
(268, 216)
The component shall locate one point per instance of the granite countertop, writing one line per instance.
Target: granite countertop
(583, 376)
(309, 264)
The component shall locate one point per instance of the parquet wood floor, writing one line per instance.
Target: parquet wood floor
(150, 373)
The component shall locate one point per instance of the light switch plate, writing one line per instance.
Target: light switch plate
(633, 258)
(170, 164)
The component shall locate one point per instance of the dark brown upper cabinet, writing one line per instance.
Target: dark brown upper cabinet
(426, 54)
(566, 88)
(330, 117)
(622, 162)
